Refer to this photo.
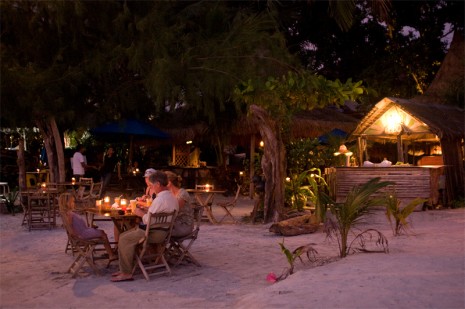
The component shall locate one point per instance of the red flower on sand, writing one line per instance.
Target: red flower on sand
(271, 277)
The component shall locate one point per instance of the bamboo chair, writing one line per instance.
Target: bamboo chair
(179, 246)
(228, 206)
(150, 258)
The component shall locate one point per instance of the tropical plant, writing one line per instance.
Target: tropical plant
(396, 216)
(292, 256)
(10, 199)
(307, 187)
(346, 216)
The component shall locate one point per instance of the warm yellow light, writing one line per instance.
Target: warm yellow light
(288, 179)
(262, 144)
(189, 142)
(392, 121)
(241, 173)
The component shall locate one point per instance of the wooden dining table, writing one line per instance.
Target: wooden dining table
(122, 220)
(205, 199)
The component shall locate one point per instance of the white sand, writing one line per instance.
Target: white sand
(425, 270)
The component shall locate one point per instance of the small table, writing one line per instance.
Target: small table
(205, 199)
(122, 222)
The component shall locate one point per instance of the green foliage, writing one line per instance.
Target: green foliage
(296, 254)
(458, 203)
(358, 205)
(307, 187)
(10, 199)
(393, 211)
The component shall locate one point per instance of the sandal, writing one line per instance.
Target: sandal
(122, 277)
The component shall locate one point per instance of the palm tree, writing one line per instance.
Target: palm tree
(358, 205)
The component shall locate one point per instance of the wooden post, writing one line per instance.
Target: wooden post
(252, 165)
(400, 150)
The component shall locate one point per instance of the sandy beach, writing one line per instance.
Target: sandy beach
(423, 270)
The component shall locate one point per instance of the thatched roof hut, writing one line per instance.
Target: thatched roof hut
(416, 121)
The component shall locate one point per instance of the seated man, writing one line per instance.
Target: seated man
(164, 202)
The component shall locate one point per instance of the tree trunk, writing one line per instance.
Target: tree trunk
(453, 161)
(47, 136)
(61, 172)
(273, 163)
(54, 147)
(21, 165)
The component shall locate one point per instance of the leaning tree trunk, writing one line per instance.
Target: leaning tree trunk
(54, 148)
(21, 166)
(273, 163)
(59, 150)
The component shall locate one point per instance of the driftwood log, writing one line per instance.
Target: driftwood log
(305, 224)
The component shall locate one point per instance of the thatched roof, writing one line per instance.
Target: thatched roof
(421, 121)
(309, 124)
(449, 80)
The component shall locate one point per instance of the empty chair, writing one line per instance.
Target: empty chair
(228, 206)
(150, 258)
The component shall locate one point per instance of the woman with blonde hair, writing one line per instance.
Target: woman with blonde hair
(79, 226)
(184, 223)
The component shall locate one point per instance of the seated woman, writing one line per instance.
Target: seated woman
(184, 223)
(79, 226)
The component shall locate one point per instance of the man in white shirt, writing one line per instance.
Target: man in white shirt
(164, 202)
(78, 162)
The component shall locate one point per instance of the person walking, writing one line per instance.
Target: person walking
(110, 162)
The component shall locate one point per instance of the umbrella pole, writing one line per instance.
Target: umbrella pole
(131, 141)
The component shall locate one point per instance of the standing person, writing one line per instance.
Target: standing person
(184, 223)
(78, 162)
(164, 202)
(110, 161)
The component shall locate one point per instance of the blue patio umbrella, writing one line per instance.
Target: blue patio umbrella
(324, 139)
(130, 128)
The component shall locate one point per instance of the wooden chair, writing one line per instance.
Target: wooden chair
(84, 198)
(96, 190)
(228, 206)
(179, 246)
(82, 249)
(150, 257)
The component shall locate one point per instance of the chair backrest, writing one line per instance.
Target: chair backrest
(205, 187)
(162, 221)
(86, 181)
(96, 189)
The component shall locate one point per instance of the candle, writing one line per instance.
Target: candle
(106, 202)
(73, 180)
(124, 204)
(98, 204)
(207, 187)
